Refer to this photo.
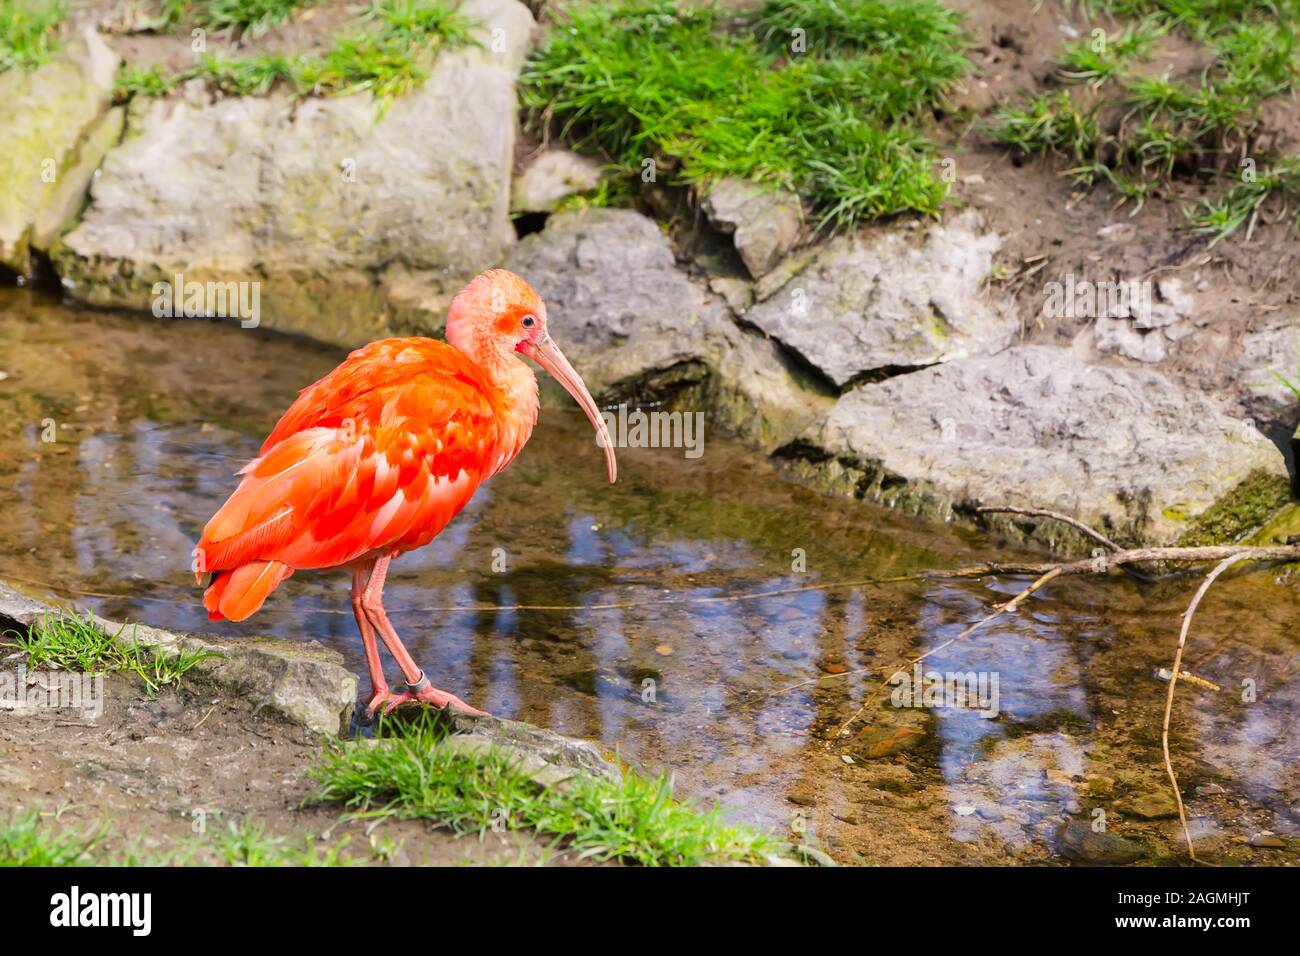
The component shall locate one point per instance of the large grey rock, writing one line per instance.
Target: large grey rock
(56, 124)
(355, 220)
(860, 308)
(640, 331)
(1124, 450)
(763, 222)
(302, 682)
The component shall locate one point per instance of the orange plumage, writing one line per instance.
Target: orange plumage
(379, 455)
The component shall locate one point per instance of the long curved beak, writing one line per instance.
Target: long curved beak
(548, 355)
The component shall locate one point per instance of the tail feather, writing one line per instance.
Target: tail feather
(238, 593)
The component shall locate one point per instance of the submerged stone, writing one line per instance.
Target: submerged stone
(1076, 840)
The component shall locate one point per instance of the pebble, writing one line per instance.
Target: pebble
(1152, 806)
(1268, 841)
(664, 650)
(1077, 841)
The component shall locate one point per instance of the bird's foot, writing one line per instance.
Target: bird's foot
(426, 693)
(378, 696)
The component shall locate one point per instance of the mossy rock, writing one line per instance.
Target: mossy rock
(1253, 505)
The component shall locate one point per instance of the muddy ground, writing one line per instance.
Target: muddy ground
(174, 771)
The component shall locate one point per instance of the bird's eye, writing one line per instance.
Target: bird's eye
(530, 321)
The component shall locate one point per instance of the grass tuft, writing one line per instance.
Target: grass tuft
(1221, 216)
(25, 840)
(410, 774)
(27, 32)
(837, 117)
(76, 644)
(388, 58)
(253, 16)
(1140, 133)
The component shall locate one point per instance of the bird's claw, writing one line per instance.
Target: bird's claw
(427, 695)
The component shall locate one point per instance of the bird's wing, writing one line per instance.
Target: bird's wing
(384, 461)
(352, 386)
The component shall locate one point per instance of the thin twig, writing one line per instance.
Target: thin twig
(1173, 682)
(1074, 523)
(997, 612)
(1103, 563)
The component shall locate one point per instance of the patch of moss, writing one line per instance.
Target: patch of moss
(1284, 525)
(1251, 504)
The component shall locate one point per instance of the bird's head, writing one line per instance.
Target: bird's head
(499, 314)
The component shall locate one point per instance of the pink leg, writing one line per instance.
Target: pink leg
(378, 683)
(419, 688)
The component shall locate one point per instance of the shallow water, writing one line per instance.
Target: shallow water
(665, 617)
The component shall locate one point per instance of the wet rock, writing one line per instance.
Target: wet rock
(302, 682)
(640, 331)
(887, 741)
(865, 308)
(550, 176)
(354, 221)
(56, 124)
(763, 222)
(1269, 841)
(1124, 450)
(1151, 806)
(1077, 841)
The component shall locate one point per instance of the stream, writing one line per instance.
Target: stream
(702, 616)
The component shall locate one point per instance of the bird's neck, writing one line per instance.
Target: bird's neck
(517, 403)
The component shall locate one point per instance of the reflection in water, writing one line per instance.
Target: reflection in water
(630, 631)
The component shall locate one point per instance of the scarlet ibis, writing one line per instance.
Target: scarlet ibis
(379, 455)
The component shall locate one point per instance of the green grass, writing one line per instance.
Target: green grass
(27, 32)
(841, 124)
(78, 645)
(410, 775)
(1200, 19)
(26, 840)
(388, 58)
(1220, 216)
(253, 16)
(1096, 60)
(1141, 132)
